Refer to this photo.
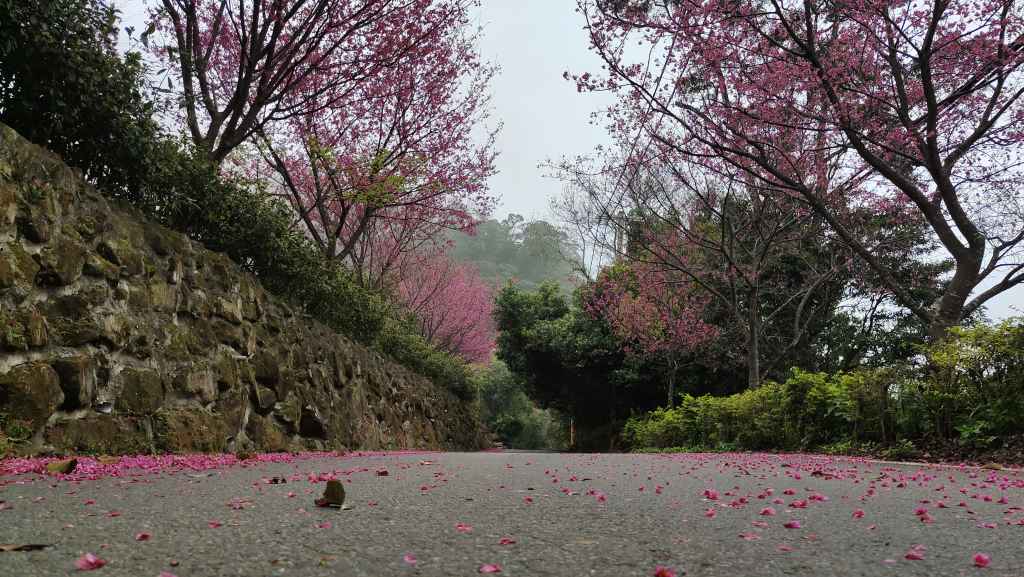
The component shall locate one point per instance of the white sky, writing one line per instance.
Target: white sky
(534, 42)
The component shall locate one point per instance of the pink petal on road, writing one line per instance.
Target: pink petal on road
(409, 558)
(916, 553)
(660, 571)
(981, 560)
(794, 524)
(507, 541)
(89, 562)
(143, 536)
(489, 568)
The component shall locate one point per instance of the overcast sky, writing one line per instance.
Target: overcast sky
(534, 42)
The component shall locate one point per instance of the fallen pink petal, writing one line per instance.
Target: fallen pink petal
(89, 562)
(489, 568)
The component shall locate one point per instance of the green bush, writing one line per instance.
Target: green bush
(64, 85)
(971, 384)
(976, 383)
(510, 414)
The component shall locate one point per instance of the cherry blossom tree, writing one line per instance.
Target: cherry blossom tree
(841, 106)
(766, 265)
(402, 159)
(243, 66)
(654, 313)
(453, 304)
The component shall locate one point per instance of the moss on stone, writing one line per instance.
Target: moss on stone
(31, 392)
(100, 435)
(61, 263)
(189, 431)
(142, 391)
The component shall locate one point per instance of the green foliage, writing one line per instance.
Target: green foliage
(977, 381)
(87, 104)
(974, 380)
(64, 85)
(572, 362)
(530, 253)
(512, 416)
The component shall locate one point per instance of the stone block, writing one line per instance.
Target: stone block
(61, 263)
(100, 435)
(196, 381)
(189, 431)
(121, 252)
(31, 392)
(142, 391)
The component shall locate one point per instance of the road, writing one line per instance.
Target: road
(531, 514)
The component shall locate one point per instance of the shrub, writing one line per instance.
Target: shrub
(973, 382)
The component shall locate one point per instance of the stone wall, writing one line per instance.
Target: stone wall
(120, 336)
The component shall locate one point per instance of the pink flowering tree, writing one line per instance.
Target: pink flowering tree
(842, 107)
(655, 313)
(452, 303)
(768, 272)
(401, 159)
(242, 67)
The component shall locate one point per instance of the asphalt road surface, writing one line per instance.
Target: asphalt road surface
(527, 514)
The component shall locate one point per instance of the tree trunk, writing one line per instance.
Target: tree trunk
(753, 344)
(673, 369)
(948, 311)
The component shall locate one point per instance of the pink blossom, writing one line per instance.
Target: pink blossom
(489, 568)
(981, 560)
(89, 562)
(916, 553)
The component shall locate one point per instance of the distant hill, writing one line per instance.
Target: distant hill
(529, 253)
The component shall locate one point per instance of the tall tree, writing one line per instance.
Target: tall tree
(243, 66)
(65, 85)
(398, 161)
(841, 106)
(766, 264)
(655, 314)
(453, 305)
